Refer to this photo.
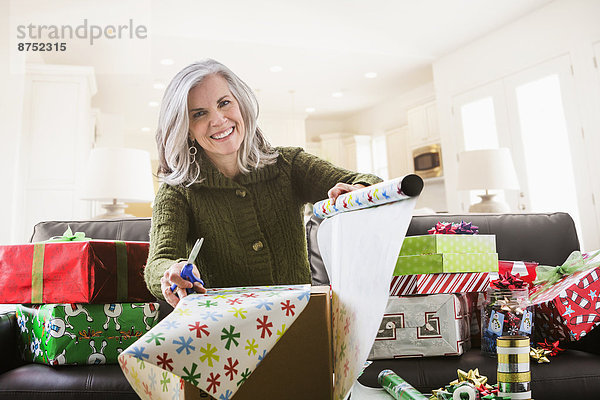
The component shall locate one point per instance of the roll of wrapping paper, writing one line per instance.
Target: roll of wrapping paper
(380, 193)
(514, 375)
(398, 387)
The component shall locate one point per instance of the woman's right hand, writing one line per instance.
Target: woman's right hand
(173, 276)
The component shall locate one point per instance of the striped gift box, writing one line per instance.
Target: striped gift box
(463, 282)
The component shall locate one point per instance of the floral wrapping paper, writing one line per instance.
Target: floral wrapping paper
(214, 340)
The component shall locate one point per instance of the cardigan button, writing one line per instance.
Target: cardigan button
(240, 193)
(257, 246)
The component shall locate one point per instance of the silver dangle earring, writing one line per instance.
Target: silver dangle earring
(192, 150)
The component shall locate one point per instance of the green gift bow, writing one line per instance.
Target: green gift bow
(69, 236)
(575, 262)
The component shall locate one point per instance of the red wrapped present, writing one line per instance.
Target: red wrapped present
(526, 270)
(566, 298)
(462, 282)
(89, 271)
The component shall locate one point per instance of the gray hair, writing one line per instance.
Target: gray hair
(172, 136)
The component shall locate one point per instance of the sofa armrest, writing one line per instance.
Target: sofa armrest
(8, 342)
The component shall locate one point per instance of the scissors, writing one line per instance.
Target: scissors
(186, 271)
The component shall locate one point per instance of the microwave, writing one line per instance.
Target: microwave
(427, 161)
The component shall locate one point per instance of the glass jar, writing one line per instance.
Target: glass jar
(505, 312)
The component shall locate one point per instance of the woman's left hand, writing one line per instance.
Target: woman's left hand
(341, 188)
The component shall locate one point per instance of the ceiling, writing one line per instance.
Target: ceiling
(322, 47)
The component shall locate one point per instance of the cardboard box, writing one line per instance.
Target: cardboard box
(430, 244)
(446, 262)
(423, 326)
(300, 365)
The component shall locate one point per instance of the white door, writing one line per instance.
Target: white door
(547, 131)
(481, 115)
(533, 112)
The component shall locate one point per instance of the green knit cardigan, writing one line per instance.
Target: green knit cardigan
(252, 225)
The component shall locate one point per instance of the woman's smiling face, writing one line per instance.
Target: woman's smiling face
(216, 120)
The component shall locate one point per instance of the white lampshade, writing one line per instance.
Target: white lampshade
(487, 169)
(119, 174)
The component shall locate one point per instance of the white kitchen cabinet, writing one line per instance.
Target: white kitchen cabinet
(423, 124)
(398, 152)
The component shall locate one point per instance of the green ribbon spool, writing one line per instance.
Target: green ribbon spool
(548, 275)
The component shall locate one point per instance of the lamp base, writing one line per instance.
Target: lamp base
(489, 205)
(114, 210)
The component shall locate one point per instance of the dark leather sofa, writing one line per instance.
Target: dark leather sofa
(545, 238)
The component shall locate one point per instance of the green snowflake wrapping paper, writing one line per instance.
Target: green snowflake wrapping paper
(446, 262)
(431, 244)
(213, 341)
(58, 334)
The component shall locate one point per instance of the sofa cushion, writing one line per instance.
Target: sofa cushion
(37, 381)
(134, 229)
(572, 374)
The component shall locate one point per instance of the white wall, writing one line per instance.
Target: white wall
(390, 114)
(10, 126)
(283, 130)
(562, 27)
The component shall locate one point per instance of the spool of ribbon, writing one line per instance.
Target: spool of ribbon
(465, 391)
(69, 236)
(547, 275)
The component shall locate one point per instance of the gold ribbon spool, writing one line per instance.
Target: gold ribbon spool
(513, 377)
(512, 341)
(513, 358)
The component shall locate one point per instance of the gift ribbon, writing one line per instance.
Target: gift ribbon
(37, 273)
(548, 275)
(69, 236)
(122, 284)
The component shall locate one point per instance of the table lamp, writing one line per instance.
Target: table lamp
(118, 175)
(490, 169)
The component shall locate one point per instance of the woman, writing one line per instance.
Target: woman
(224, 182)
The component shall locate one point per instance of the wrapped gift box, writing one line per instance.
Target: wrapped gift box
(58, 334)
(94, 271)
(439, 283)
(526, 270)
(422, 326)
(446, 262)
(270, 374)
(570, 308)
(430, 244)
(273, 378)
